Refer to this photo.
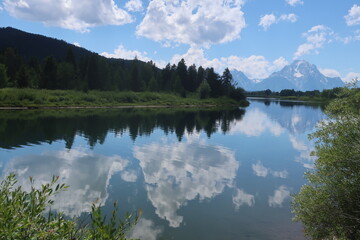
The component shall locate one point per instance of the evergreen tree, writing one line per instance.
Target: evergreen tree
(48, 79)
(192, 78)
(3, 76)
(182, 72)
(22, 77)
(227, 82)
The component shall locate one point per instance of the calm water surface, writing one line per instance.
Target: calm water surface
(196, 174)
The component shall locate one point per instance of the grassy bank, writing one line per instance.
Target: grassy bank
(35, 98)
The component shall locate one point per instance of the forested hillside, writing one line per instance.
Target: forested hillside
(34, 61)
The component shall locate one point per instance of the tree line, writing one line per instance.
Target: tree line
(95, 72)
(326, 93)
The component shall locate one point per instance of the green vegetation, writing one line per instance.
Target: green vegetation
(92, 72)
(12, 97)
(23, 216)
(329, 206)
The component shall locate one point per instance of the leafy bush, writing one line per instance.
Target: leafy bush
(329, 206)
(22, 216)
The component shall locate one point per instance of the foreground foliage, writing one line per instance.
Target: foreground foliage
(329, 206)
(22, 216)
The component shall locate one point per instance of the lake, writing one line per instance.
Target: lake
(195, 173)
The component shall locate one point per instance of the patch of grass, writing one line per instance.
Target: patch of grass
(11, 97)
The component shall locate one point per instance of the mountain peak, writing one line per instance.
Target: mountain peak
(300, 75)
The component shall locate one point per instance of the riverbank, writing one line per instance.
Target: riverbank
(54, 99)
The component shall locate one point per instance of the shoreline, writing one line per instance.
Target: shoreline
(118, 107)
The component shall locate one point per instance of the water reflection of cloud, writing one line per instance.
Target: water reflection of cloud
(129, 176)
(255, 123)
(86, 173)
(279, 196)
(146, 230)
(241, 198)
(305, 157)
(179, 172)
(261, 171)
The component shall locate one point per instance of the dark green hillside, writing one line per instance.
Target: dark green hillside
(37, 62)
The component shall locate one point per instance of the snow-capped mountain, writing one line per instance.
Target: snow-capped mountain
(300, 75)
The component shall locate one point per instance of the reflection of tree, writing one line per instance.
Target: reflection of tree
(32, 127)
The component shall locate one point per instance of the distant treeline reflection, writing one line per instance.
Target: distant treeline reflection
(19, 128)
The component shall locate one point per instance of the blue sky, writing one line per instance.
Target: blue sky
(257, 37)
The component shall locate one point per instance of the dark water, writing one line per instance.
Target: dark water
(196, 174)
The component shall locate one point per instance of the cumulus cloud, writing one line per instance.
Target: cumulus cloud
(196, 56)
(134, 6)
(316, 37)
(77, 44)
(294, 2)
(121, 52)
(79, 15)
(192, 22)
(269, 19)
(351, 76)
(241, 198)
(279, 196)
(176, 173)
(329, 72)
(88, 175)
(353, 17)
(255, 67)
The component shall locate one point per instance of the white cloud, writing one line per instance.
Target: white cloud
(201, 22)
(269, 19)
(279, 196)
(134, 6)
(353, 17)
(351, 76)
(289, 17)
(316, 37)
(294, 2)
(241, 198)
(79, 15)
(77, 44)
(145, 229)
(255, 67)
(176, 173)
(121, 52)
(88, 175)
(329, 72)
(196, 56)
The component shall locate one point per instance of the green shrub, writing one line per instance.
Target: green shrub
(22, 216)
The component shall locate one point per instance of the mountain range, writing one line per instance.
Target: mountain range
(299, 75)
